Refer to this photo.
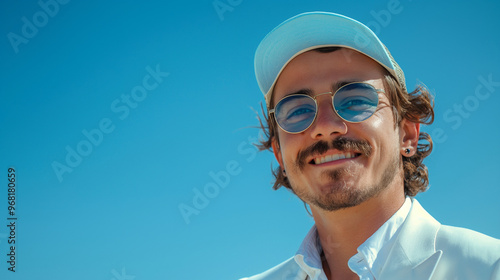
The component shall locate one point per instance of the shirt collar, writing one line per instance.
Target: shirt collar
(371, 250)
(308, 257)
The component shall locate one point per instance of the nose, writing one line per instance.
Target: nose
(327, 123)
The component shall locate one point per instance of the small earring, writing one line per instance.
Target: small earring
(284, 172)
(407, 151)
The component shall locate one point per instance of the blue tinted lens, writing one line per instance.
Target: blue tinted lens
(295, 113)
(356, 102)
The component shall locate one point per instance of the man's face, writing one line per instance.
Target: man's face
(370, 151)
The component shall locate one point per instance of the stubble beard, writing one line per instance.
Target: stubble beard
(341, 194)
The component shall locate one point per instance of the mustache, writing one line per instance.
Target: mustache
(341, 144)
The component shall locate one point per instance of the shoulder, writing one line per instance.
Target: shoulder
(288, 269)
(464, 253)
(465, 243)
(461, 241)
(467, 253)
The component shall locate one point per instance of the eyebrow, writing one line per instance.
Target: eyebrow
(340, 84)
(335, 86)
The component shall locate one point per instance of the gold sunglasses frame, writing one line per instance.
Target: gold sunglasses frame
(272, 111)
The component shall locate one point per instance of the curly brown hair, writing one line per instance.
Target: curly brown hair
(417, 107)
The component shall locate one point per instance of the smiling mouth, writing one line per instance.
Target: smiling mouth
(335, 157)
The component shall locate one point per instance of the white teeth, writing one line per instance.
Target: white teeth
(335, 157)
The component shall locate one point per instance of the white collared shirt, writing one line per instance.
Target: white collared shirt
(371, 256)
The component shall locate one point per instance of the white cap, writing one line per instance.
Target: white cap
(313, 30)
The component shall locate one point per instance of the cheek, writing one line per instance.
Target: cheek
(377, 124)
(382, 134)
(290, 146)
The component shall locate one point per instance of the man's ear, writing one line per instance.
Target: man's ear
(409, 133)
(277, 152)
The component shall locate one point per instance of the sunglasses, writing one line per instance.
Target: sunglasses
(353, 102)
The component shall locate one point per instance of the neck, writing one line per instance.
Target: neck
(341, 232)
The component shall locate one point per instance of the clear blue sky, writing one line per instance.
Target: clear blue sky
(116, 114)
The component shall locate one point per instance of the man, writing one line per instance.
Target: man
(345, 132)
